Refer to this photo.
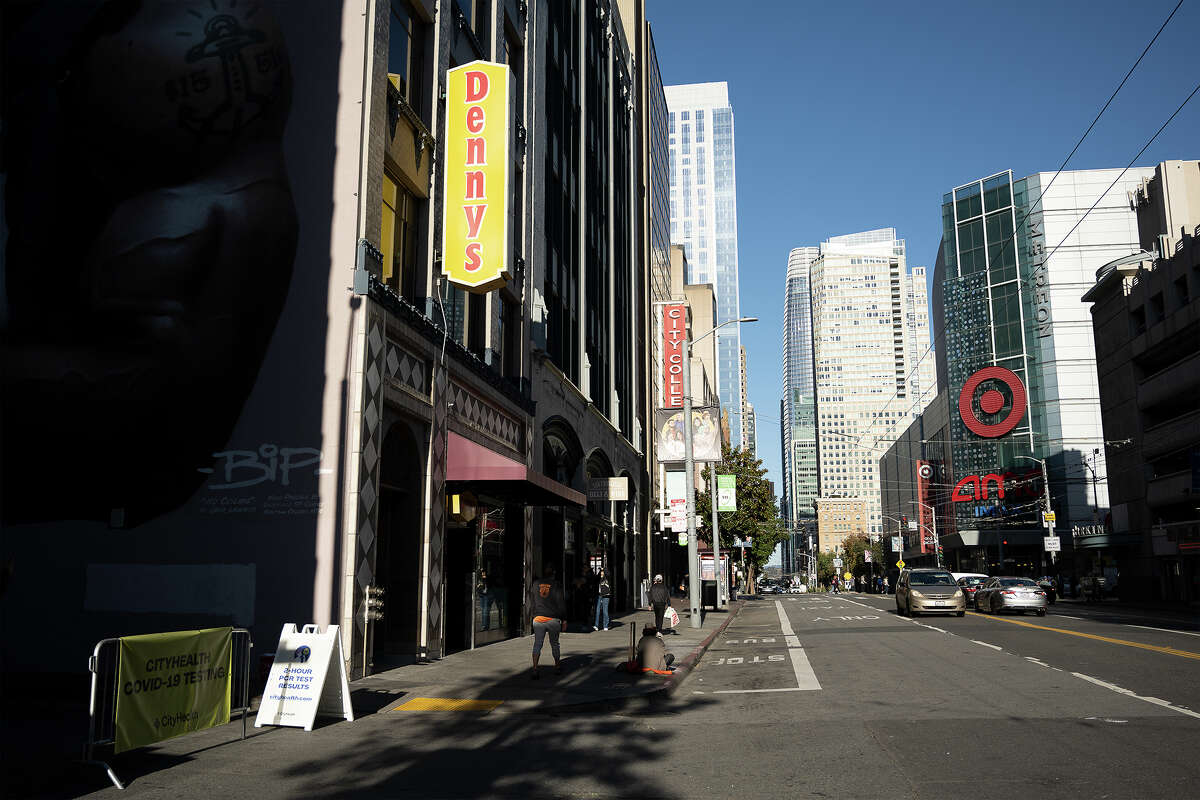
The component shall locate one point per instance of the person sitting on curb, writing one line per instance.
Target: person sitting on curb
(549, 617)
(652, 653)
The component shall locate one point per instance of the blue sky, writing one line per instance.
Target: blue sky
(854, 115)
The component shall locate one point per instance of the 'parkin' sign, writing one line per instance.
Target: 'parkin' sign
(475, 250)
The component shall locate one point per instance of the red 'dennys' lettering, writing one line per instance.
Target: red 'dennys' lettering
(475, 119)
(477, 86)
(474, 255)
(474, 219)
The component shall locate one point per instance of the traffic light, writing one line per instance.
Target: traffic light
(904, 520)
(1005, 541)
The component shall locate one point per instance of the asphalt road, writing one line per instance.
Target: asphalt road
(802, 696)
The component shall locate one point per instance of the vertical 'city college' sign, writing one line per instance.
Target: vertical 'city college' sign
(475, 219)
(674, 328)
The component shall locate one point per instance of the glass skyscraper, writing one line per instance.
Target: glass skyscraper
(1011, 271)
(798, 420)
(704, 218)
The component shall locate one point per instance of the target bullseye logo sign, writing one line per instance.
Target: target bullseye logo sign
(991, 401)
(926, 471)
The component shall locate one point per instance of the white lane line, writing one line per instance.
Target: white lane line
(985, 644)
(760, 691)
(784, 623)
(1152, 700)
(806, 679)
(1164, 630)
(1067, 616)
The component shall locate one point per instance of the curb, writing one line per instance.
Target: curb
(647, 701)
(671, 684)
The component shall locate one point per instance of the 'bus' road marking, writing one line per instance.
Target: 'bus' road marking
(1124, 642)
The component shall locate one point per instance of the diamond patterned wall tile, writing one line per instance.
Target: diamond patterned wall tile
(370, 443)
(407, 369)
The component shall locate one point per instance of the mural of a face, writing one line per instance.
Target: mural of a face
(151, 238)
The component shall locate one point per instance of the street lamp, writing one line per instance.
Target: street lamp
(933, 516)
(1045, 502)
(690, 483)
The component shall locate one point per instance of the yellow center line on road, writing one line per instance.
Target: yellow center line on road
(1156, 648)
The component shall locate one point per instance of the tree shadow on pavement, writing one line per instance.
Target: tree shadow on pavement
(586, 749)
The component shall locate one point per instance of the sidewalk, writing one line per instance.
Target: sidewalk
(40, 757)
(501, 671)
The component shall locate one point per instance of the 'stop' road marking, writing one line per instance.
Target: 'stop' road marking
(1126, 643)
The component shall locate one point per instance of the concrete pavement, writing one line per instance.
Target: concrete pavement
(497, 674)
(797, 696)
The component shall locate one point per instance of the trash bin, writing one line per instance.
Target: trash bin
(708, 593)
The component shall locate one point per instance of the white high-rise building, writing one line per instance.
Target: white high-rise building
(704, 218)
(871, 350)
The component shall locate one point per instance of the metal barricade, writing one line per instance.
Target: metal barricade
(102, 708)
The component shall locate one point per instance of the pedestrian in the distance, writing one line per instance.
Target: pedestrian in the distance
(549, 617)
(660, 598)
(603, 594)
(885, 584)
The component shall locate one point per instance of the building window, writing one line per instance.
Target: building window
(476, 323)
(478, 15)
(510, 338)
(398, 239)
(406, 55)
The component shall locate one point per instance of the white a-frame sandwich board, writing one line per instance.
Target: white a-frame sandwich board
(308, 677)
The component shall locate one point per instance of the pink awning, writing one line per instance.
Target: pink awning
(493, 473)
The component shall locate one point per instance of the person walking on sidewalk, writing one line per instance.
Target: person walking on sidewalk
(549, 617)
(660, 598)
(603, 595)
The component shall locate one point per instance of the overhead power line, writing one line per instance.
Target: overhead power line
(1059, 171)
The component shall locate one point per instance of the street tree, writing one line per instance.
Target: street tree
(757, 515)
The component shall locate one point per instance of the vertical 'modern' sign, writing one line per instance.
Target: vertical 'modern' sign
(475, 250)
(674, 332)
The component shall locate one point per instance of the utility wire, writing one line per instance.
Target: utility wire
(1059, 171)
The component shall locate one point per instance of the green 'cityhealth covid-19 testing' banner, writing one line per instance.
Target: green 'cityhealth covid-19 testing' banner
(170, 684)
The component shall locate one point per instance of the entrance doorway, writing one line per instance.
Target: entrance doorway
(398, 549)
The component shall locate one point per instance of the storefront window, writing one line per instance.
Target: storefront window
(491, 589)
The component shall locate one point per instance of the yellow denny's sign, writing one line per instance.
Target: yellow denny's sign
(475, 223)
